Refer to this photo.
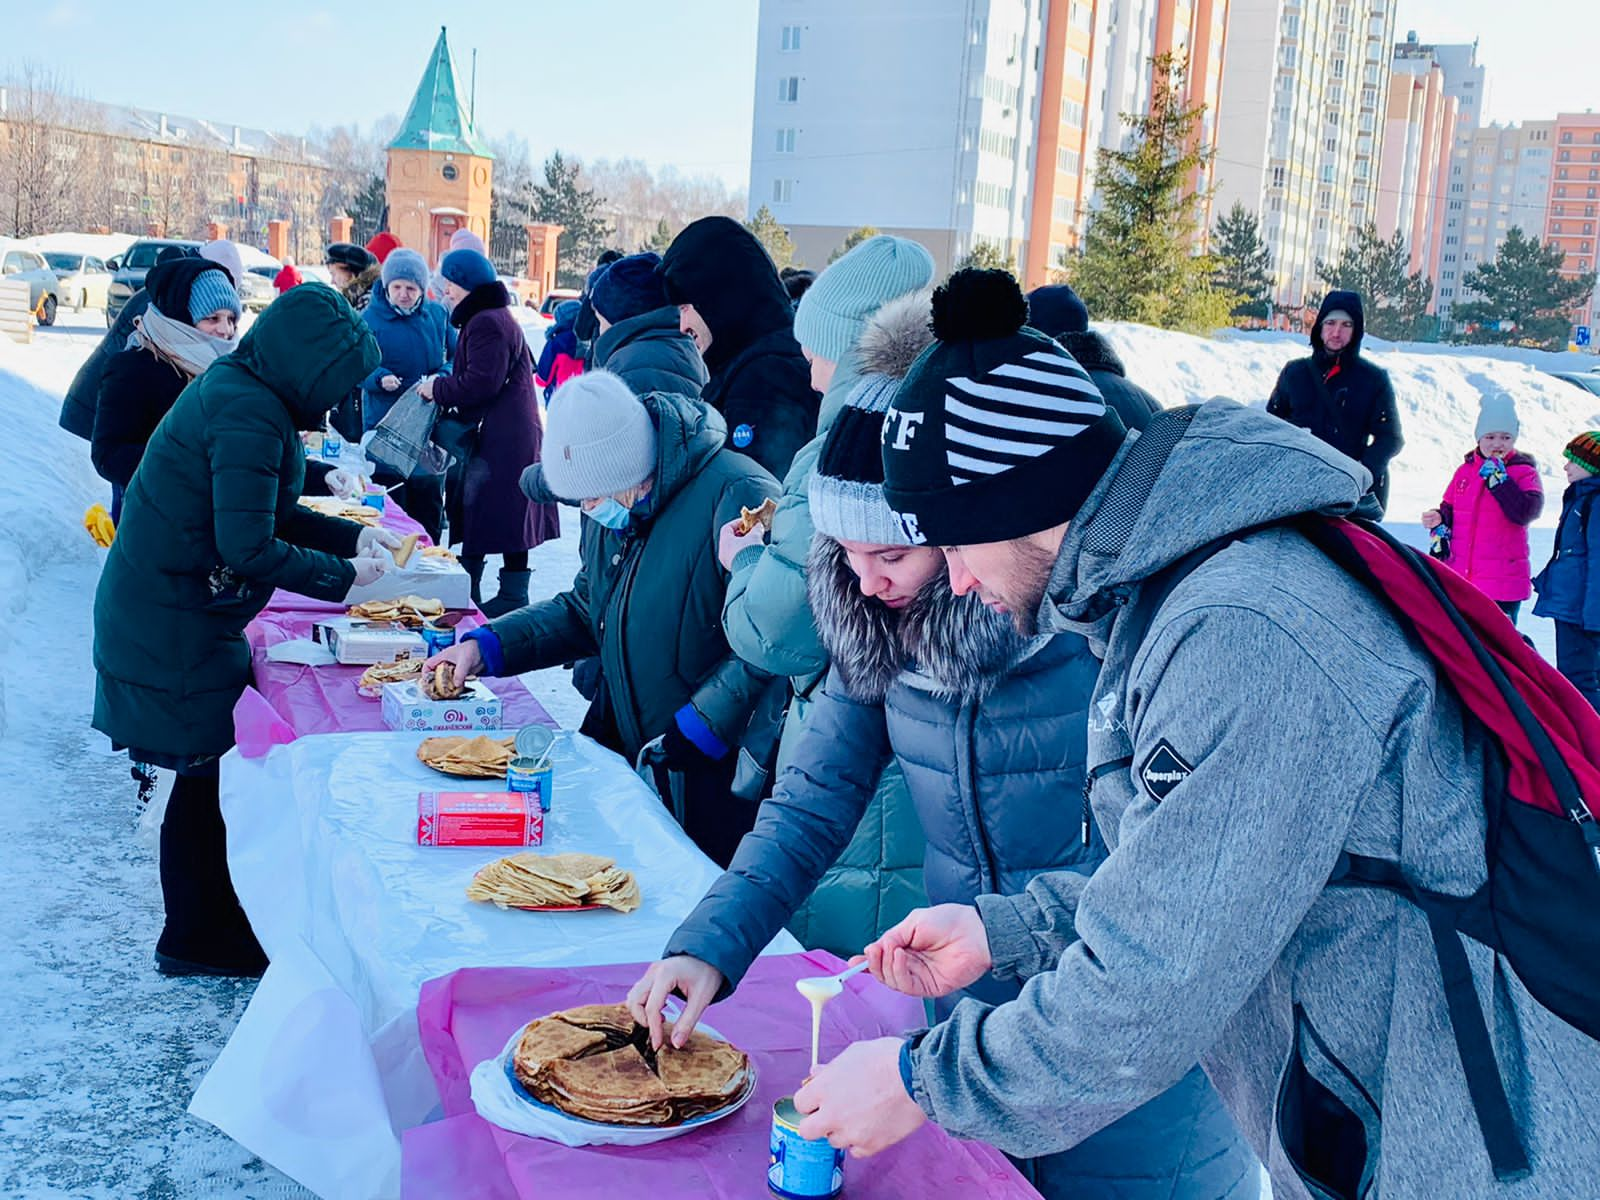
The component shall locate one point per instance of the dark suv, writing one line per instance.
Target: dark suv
(131, 268)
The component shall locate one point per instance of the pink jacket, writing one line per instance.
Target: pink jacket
(1489, 527)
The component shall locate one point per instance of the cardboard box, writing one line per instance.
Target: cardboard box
(357, 642)
(479, 819)
(405, 707)
(426, 575)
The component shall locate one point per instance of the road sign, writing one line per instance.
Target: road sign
(1582, 337)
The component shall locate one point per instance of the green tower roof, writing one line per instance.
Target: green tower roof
(437, 120)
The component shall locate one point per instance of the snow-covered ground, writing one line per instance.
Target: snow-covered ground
(99, 1055)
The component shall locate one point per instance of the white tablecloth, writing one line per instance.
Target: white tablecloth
(325, 1069)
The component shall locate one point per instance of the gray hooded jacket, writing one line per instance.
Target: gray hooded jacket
(1272, 716)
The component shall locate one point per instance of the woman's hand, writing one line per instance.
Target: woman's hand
(1431, 518)
(730, 541)
(696, 981)
(368, 570)
(376, 535)
(390, 383)
(425, 388)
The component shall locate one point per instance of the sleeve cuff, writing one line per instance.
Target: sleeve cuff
(747, 558)
(494, 655)
(693, 726)
(1012, 948)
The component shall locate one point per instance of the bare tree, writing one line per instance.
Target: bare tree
(37, 153)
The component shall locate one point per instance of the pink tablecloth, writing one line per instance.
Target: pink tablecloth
(466, 1017)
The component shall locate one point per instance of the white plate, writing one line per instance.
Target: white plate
(503, 1101)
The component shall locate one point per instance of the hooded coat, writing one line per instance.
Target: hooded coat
(83, 395)
(759, 380)
(1489, 526)
(1568, 589)
(1095, 355)
(491, 385)
(413, 344)
(1270, 716)
(651, 354)
(988, 731)
(1342, 399)
(211, 526)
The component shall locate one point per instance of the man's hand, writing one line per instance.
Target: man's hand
(376, 535)
(465, 659)
(368, 570)
(858, 1101)
(933, 952)
(696, 981)
(425, 388)
(730, 542)
(390, 383)
(344, 484)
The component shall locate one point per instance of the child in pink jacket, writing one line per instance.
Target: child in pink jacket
(1481, 527)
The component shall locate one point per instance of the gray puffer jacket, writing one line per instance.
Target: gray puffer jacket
(652, 354)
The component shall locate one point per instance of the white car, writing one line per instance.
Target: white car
(83, 278)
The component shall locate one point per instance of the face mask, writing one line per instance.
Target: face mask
(609, 513)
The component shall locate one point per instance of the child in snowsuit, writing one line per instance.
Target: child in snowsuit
(1569, 593)
(1481, 527)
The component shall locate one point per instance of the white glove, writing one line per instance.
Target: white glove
(368, 570)
(376, 535)
(344, 484)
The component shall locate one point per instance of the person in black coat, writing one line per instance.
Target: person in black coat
(1341, 398)
(1057, 311)
(191, 320)
(733, 304)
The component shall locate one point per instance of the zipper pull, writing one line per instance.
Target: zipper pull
(1088, 786)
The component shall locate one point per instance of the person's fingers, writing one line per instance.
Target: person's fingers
(694, 1007)
(660, 987)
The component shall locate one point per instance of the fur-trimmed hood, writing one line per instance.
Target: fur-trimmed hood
(896, 334)
(957, 645)
(1093, 352)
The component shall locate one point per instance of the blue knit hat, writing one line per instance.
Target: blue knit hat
(834, 311)
(1056, 309)
(628, 288)
(467, 269)
(211, 292)
(408, 265)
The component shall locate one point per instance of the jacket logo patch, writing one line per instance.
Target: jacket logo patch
(743, 435)
(1163, 771)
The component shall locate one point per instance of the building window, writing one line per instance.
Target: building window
(1058, 251)
(998, 144)
(1077, 65)
(1566, 137)
(791, 38)
(1082, 16)
(782, 191)
(788, 89)
(1277, 177)
(992, 195)
(785, 141)
(1072, 113)
(1566, 156)
(1064, 210)
(1068, 161)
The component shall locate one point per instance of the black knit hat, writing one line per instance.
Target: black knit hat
(996, 432)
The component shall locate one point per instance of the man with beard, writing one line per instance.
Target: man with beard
(988, 728)
(1258, 714)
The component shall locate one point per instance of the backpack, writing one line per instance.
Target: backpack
(1542, 842)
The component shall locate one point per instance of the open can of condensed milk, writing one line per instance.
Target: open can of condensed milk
(800, 1168)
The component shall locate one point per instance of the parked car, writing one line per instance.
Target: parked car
(131, 268)
(1587, 380)
(84, 278)
(554, 297)
(28, 266)
(256, 290)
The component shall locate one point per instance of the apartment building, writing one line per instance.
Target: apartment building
(1507, 184)
(1571, 218)
(1414, 175)
(1465, 81)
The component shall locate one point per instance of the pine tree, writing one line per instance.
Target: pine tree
(370, 209)
(1244, 263)
(1139, 260)
(773, 236)
(988, 257)
(562, 199)
(661, 238)
(852, 240)
(1524, 291)
(1394, 301)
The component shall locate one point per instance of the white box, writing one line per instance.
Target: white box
(405, 707)
(426, 575)
(354, 641)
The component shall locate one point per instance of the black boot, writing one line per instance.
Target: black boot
(513, 594)
(474, 569)
(206, 932)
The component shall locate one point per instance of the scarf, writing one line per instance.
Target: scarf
(183, 346)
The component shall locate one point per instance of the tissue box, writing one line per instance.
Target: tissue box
(354, 641)
(425, 575)
(405, 707)
(479, 819)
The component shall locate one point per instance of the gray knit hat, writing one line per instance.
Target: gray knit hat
(598, 439)
(1497, 413)
(834, 311)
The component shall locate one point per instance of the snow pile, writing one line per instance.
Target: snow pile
(1437, 388)
(99, 245)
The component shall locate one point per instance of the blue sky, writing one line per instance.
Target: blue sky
(665, 82)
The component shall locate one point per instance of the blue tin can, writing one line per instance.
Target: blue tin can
(332, 445)
(799, 1168)
(530, 775)
(375, 499)
(437, 637)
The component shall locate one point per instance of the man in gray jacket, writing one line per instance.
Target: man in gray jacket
(1269, 716)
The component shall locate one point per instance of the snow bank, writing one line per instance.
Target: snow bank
(1437, 387)
(100, 245)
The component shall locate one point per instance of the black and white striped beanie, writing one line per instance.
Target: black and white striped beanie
(997, 432)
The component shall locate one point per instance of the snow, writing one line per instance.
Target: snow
(100, 245)
(101, 1052)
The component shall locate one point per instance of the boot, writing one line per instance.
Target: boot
(513, 594)
(474, 569)
(206, 932)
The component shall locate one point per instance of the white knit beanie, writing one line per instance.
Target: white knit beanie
(598, 438)
(1498, 414)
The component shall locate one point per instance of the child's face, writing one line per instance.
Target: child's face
(1497, 445)
(1575, 473)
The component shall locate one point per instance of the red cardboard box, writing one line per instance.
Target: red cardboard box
(479, 819)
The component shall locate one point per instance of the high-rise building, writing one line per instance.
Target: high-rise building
(1418, 139)
(1507, 184)
(1571, 218)
(1298, 141)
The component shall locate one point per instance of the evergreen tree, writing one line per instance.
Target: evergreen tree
(773, 236)
(661, 238)
(563, 199)
(1394, 301)
(1139, 260)
(988, 257)
(1244, 264)
(369, 209)
(1524, 289)
(852, 240)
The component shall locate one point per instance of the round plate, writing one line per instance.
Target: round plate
(457, 775)
(726, 1110)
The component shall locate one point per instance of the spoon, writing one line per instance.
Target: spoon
(826, 987)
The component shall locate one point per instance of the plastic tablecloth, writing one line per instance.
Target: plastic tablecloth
(325, 1069)
(467, 1017)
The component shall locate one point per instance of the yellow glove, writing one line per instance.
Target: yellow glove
(98, 522)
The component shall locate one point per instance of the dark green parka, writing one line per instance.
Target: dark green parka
(648, 601)
(211, 526)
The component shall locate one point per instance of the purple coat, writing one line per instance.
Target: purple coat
(1489, 527)
(492, 381)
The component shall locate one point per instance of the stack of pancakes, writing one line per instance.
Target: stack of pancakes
(593, 1062)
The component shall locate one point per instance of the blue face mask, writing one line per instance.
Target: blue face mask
(609, 513)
